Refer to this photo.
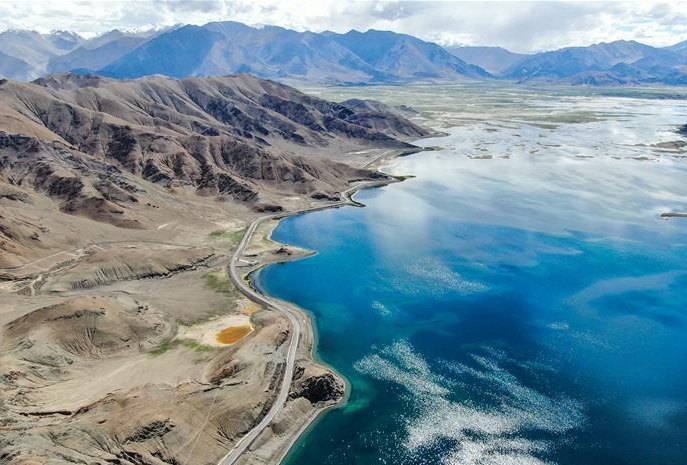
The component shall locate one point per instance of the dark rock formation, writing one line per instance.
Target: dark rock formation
(154, 429)
(283, 251)
(226, 371)
(321, 388)
(268, 208)
(325, 196)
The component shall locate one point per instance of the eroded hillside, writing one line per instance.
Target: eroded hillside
(88, 143)
(122, 338)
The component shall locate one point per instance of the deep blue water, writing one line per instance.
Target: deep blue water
(510, 311)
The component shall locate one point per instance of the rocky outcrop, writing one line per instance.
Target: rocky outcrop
(325, 196)
(83, 186)
(667, 215)
(153, 430)
(380, 117)
(268, 208)
(223, 371)
(317, 385)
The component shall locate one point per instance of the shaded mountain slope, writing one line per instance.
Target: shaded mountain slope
(494, 60)
(14, 68)
(35, 50)
(405, 56)
(29, 46)
(680, 47)
(281, 53)
(620, 62)
(274, 52)
(178, 53)
(92, 58)
(88, 142)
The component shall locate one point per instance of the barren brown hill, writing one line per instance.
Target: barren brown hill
(75, 138)
(121, 203)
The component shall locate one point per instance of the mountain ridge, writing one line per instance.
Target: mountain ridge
(228, 47)
(618, 62)
(85, 140)
(495, 60)
(274, 52)
(329, 58)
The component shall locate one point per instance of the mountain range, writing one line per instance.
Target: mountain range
(88, 143)
(222, 48)
(620, 62)
(371, 57)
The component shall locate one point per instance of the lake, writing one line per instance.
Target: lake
(519, 300)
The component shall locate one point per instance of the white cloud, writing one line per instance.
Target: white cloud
(518, 25)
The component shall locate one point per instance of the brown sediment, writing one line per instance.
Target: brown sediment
(233, 334)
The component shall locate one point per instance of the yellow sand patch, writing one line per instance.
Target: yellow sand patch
(231, 328)
(233, 334)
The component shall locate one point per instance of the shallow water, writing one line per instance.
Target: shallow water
(526, 308)
(233, 334)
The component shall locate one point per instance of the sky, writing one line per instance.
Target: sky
(521, 26)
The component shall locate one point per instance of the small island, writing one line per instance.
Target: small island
(674, 215)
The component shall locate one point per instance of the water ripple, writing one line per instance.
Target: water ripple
(499, 431)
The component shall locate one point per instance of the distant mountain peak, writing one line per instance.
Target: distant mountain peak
(612, 63)
(372, 56)
(227, 47)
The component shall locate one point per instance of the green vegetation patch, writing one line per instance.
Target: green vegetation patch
(225, 235)
(191, 344)
(162, 348)
(219, 281)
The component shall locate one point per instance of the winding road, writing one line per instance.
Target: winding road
(289, 312)
(240, 447)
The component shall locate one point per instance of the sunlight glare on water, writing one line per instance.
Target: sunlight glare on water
(520, 300)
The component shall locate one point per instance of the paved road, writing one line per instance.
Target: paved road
(374, 159)
(234, 454)
(290, 313)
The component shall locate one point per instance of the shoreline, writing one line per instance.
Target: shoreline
(317, 413)
(309, 331)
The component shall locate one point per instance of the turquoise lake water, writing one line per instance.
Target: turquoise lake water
(526, 308)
